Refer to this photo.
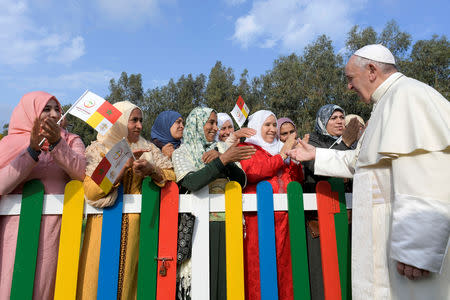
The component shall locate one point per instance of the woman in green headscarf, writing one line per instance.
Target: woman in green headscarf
(201, 161)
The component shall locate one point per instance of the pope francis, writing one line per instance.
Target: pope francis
(401, 182)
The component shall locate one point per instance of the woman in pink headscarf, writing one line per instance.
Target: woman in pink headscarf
(59, 160)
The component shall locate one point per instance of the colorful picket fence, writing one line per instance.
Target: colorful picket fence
(157, 265)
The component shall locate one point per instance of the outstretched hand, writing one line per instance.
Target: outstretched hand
(244, 133)
(411, 272)
(303, 151)
(36, 137)
(235, 153)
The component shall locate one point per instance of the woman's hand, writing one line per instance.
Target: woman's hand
(138, 153)
(288, 145)
(50, 130)
(244, 133)
(235, 153)
(36, 137)
(144, 168)
(210, 156)
(168, 149)
(351, 132)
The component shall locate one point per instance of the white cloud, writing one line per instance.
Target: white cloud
(131, 12)
(292, 24)
(72, 81)
(23, 41)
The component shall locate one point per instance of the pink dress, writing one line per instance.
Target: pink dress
(65, 162)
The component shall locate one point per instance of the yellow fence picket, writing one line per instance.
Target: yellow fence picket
(234, 241)
(69, 241)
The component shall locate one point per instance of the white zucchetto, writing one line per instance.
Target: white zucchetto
(376, 52)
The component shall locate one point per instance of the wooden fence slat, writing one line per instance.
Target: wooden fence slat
(108, 272)
(27, 240)
(148, 240)
(297, 234)
(234, 241)
(167, 247)
(69, 241)
(327, 206)
(342, 238)
(200, 245)
(266, 242)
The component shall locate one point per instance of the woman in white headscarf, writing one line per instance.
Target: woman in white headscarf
(150, 162)
(225, 125)
(269, 163)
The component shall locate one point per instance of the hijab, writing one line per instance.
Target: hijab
(29, 109)
(323, 116)
(280, 123)
(161, 128)
(256, 122)
(120, 129)
(222, 118)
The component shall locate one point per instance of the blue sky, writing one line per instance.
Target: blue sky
(66, 47)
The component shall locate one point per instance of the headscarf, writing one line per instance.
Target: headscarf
(222, 118)
(161, 128)
(29, 109)
(280, 123)
(188, 158)
(256, 122)
(120, 129)
(323, 116)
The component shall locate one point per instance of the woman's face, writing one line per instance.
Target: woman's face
(134, 125)
(210, 127)
(225, 131)
(335, 125)
(286, 130)
(269, 129)
(51, 110)
(176, 130)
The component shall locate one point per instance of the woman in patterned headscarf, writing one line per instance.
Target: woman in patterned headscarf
(200, 161)
(150, 162)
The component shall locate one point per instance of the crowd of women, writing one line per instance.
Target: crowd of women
(202, 150)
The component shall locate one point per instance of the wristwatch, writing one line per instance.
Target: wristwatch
(52, 146)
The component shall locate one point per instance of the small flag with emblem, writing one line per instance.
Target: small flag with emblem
(240, 111)
(110, 166)
(96, 111)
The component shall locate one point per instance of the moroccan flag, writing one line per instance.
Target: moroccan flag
(240, 111)
(96, 111)
(110, 166)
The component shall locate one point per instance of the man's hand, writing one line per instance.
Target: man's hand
(210, 156)
(235, 153)
(411, 272)
(351, 132)
(168, 149)
(302, 152)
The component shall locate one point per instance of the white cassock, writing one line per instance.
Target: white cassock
(401, 192)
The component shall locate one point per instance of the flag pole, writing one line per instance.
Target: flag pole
(65, 114)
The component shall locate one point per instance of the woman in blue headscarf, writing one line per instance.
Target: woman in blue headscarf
(167, 131)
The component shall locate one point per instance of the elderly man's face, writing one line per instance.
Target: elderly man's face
(359, 80)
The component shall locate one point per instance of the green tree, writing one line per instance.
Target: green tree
(79, 127)
(220, 91)
(429, 62)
